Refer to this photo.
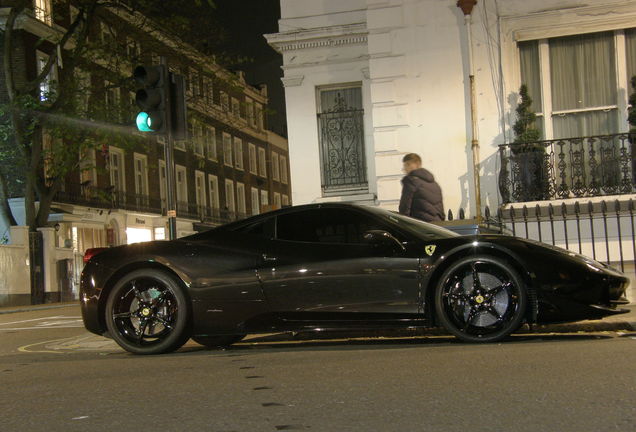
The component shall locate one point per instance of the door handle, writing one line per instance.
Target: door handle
(269, 259)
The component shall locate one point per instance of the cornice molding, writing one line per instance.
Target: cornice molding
(354, 34)
(293, 81)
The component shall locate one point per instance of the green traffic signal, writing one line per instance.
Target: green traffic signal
(142, 122)
(152, 98)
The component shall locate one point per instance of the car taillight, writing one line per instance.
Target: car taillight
(90, 253)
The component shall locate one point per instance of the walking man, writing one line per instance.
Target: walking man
(421, 195)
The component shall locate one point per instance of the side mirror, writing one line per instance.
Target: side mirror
(384, 239)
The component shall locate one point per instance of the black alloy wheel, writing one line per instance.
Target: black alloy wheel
(217, 341)
(147, 312)
(481, 299)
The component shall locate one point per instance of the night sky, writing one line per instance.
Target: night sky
(245, 22)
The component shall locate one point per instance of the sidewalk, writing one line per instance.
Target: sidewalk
(32, 308)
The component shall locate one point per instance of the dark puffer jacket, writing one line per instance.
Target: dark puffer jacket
(421, 196)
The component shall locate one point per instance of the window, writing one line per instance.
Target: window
(210, 142)
(42, 10)
(213, 186)
(229, 196)
(252, 155)
(199, 185)
(573, 82)
(630, 48)
(285, 200)
(236, 107)
(198, 139)
(88, 170)
(240, 198)
(47, 86)
(325, 226)
(238, 153)
(182, 185)
(108, 35)
(196, 83)
(133, 49)
(249, 110)
(283, 169)
(275, 167)
(209, 91)
(264, 198)
(262, 163)
(111, 101)
(258, 108)
(277, 202)
(227, 149)
(255, 206)
(117, 169)
(141, 174)
(83, 82)
(225, 102)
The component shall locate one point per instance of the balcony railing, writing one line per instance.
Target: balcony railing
(567, 168)
(108, 198)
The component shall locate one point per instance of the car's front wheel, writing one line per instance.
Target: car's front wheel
(480, 299)
(147, 312)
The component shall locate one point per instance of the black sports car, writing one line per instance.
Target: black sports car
(335, 266)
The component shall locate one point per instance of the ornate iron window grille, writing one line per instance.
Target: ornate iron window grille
(342, 148)
(567, 168)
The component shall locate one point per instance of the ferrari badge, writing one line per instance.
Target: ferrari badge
(430, 250)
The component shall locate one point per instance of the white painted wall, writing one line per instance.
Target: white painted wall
(415, 55)
(14, 264)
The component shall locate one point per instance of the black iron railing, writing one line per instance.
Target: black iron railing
(567, 168)
(109, 198)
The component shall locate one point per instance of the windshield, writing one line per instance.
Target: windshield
(421, 229)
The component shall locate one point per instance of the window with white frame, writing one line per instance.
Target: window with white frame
(275, 167)
(252, 156)
(210, 142)
(577, 82)
(262, 162)
(42, 10)
(227, 149)
(196, 83)
(162, 184)
(283, 169)
(256, 208)
(213, 190)
(285, 200)
(133, 49)
(238, 153)
(277, 201)
(240, 198)
(47, 86)
(111, 100)
(229, 195)
(199, 186)
(117, 168)
(182, 184)
(108, 34)
(209, 91)
(141, 173)
(264, 198)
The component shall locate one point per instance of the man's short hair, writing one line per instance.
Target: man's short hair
(412, 157)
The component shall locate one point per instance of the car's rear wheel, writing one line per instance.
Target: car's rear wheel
(147, 312)
(217, 341)
(481, 299)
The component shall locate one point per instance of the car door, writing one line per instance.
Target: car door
(318, 268)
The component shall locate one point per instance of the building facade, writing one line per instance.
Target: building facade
(230, 166)
(368, 81)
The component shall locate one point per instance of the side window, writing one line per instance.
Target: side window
(324, 226)
(263, 228)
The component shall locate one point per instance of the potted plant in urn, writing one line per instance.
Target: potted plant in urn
(529, 153)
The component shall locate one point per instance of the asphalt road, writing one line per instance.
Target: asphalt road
(54, 376)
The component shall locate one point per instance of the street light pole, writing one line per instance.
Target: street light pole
(171, 188)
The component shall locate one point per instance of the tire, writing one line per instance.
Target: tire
(217, 341)
(147, 312)
(481, 299)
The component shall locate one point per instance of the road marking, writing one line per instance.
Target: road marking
(37, 319)
(25, 348)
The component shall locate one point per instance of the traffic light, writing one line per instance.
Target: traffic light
(152, 98)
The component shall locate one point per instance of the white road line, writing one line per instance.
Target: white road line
(39, 328)
(36, 319)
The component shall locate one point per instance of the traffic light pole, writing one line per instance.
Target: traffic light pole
(171, 187)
